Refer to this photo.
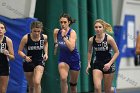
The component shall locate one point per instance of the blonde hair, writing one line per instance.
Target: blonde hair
(106, 25)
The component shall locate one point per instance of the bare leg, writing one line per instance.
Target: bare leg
(38, 72)
(113, 90)
(63, 71)
(97, 79)
(108, 82)
(73, 81)
(29, 77)
(3, 83)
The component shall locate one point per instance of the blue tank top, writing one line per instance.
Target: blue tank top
(65, 54)
(3, 58)
(102, 50)
(35, 48)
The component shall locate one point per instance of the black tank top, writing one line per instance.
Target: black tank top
(35, 48)
(3, 58)
(102, 50)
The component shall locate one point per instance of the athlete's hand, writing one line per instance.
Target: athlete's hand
(87, 69)
(106, 66)
(6, 52)
(45, 57)
(28, 58)
(63, 32)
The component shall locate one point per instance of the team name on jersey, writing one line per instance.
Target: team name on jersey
(101, 47)
(2, 47)
(62, 43)
(36, 46)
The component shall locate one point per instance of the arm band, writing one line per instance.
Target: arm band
(24, 57)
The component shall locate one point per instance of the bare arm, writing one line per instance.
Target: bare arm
(10, 49)
(115, 49)
(72, 40)
(138, 45)
(45, 57)
(21, 47)
(55, 40)
(90, 51)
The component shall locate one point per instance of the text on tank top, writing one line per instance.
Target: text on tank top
(102, 50)
(35, 48)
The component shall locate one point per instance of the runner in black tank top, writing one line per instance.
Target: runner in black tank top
(102, 66)
(103, 54)
(36, 52)
(4, 65)
(6, 54)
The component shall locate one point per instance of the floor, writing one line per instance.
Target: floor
(135, 90)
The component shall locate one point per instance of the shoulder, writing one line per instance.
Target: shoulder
(8, 39)
(56, 30)
(91, 39)
(73, 34)
(73, 31)
(45, 36)
(110, 38)
(25, 36)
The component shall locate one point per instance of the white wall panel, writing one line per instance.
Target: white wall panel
(17, 8)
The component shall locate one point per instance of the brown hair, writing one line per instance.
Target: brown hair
(3, 24)
(106, 25)
(68, 17)
(36, 24)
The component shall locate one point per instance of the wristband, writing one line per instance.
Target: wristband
(24, 57)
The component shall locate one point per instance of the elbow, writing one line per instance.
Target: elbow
(117, 53)
(72, 48)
